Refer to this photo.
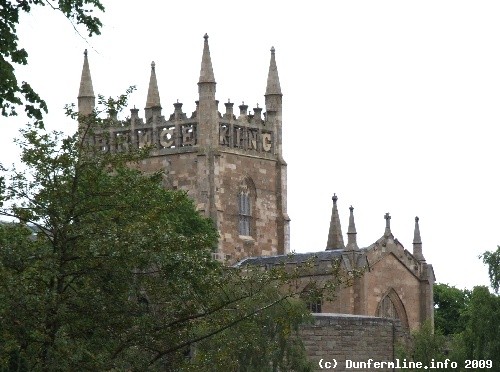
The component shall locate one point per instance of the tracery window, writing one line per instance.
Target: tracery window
(391, 306)
(387, 309)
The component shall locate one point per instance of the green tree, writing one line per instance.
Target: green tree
(425, 346)
(109, 246)
(265, 341)
(106, 270)
(481, 338)
(449, 302)
(12, 93)
(492, 259)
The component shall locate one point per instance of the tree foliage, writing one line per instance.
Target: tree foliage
(467, 325)
(105, 269)
(13, 93)
(450, 303)
(425, 346)
(481, 338)
(266, 341)
(492, 259)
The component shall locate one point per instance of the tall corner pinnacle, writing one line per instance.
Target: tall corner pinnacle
(417, 242)
(206, 71)
(352, 244)
(416, 234)
(86, 96)
(86, 88)
(273, 80)
(335, 239)
(352, 226)
(153, 99)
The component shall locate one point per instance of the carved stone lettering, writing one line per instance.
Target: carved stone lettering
(122, 141)
(224, 136)
(188, 136)
(102, 142)
(167, 137)
(252, 139)
(144, 137)
(266, 142)
(241, 138)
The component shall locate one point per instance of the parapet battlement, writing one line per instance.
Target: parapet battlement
(245, 132)
(255, 132)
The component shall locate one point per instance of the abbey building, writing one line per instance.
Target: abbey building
(231, 164)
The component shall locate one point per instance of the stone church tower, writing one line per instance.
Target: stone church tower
(230, 164)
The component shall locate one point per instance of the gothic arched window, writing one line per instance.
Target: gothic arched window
(387, 309)
(245, 212)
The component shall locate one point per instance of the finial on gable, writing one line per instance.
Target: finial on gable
(387, 217)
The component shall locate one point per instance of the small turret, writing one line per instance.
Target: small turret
(335, 239)
(229, 109)
(257, 114)
(243, 109)
(417, 242)
(352, 244)
(86, 97)
(153, 105)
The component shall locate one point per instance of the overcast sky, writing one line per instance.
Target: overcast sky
(392, 105)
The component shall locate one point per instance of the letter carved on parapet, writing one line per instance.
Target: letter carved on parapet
(188, 135)
(224, 135)
(267, 142)
(167, 137)
(252, 139)
(101, 141)
(240, 138)
(122, 141)
(144, 137)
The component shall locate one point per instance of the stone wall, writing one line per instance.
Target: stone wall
(340, 338)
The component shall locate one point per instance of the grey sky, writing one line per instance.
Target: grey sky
(392, 105)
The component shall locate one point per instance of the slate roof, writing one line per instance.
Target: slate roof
(294, 258)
